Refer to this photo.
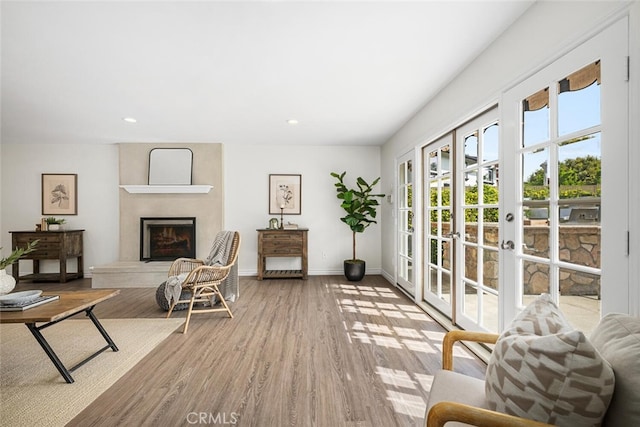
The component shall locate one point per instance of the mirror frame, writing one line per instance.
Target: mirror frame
(170, 166)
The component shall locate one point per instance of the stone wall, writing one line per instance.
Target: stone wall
(579, 244)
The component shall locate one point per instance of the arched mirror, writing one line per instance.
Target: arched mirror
(170, 166)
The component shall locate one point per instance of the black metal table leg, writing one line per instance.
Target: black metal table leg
(66, 373)
(52, 355)
(100, 328)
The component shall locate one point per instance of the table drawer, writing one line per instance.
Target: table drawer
(285, 238)
(40, 253)
(271, 248)
(43, 239)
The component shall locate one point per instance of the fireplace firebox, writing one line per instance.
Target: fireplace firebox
(167, 238)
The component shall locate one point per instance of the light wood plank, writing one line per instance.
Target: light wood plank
(316, 352)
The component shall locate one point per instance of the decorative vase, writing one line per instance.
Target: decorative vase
(7, 282)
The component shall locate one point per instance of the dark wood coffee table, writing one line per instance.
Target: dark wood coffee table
(69, 304)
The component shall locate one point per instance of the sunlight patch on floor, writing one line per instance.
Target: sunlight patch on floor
(396, 378)
(408, 404)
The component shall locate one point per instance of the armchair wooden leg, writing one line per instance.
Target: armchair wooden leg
(222, 300)
(171, 307)
(226, 307)
(186, 323)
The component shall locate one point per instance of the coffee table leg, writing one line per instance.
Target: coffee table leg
(100, 328)
(66, 373)
(52, 355)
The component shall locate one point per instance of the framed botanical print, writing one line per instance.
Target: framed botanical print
(59, 194)
(285, 194)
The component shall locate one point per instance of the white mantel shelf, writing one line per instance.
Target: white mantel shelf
(167, 189)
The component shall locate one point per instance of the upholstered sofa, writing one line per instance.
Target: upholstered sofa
(543, 372)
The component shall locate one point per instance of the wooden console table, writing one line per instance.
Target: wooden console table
(282, 243)
(60, 245)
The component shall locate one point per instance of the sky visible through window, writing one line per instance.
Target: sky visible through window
(577, 110)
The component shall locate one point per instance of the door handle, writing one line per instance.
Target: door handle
(453, 235)
(507, 245)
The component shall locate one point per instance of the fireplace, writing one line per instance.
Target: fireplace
(167, 238)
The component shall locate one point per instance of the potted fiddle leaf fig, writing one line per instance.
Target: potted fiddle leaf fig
(360, 206)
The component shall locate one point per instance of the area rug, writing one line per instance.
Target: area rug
(32, 392)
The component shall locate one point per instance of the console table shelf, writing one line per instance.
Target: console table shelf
(59, 245)
(284, 244)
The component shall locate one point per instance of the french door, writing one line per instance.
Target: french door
(461, 178)
(438, 160)
(405, 226)
(564, 221)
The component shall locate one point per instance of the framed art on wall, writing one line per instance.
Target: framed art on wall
(59, 194)
(285, 192)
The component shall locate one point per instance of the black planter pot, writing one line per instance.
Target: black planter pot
(354, 270)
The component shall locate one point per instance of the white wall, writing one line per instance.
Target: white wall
(97, 169)
(546, 31)
(246, 172)
(247, 169)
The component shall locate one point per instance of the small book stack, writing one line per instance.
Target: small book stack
(290, 226)
(25, 305)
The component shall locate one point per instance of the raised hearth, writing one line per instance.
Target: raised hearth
(130, 274)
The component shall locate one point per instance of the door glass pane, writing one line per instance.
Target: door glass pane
(535, 280)
(535, 178)
(535, 118)
(433, 163)
(490, 217)
(433, 275)
(445, 192)
(490, 268)
(470, 301)
(536, 230)
(490, 145)
(471, 150)
(471, 187)
(445, 160)
(490, 311)
(471, 262)
(471, 227)
(402, 197)
(490, 229)
(402, 220)
(580, 298)
(489, 175)
(403, 246)
(446, 286)
(490, 194)
(580, 244)
(579, 167)
(579, 100)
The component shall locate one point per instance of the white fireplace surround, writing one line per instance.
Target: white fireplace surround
(162, 201)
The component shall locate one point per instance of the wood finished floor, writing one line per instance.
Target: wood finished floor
(320, 352)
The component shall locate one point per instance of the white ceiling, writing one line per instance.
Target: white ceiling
(232, 72)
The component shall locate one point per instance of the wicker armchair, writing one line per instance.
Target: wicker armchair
(202, 281)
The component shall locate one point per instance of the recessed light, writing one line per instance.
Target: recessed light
(130, 120)
(292, 121)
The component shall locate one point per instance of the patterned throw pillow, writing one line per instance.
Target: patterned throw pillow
(543, 369)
